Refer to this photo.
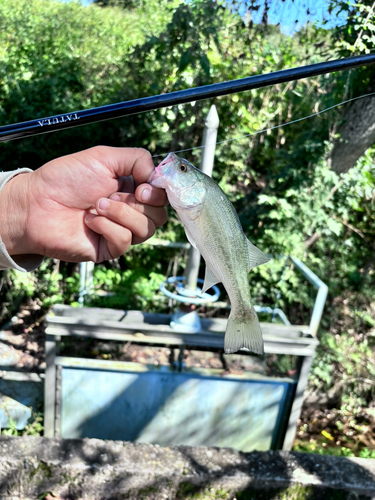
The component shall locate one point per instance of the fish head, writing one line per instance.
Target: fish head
(183, 182)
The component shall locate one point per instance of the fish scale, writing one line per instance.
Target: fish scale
(213, 227)
(226, 255)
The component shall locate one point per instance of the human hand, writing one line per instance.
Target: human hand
(75, 209)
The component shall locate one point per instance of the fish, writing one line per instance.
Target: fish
(213, 227)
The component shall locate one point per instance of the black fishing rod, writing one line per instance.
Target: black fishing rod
(76, 118)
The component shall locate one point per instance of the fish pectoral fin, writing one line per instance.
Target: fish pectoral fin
(209, 280)
(190, 238)
(256, 256)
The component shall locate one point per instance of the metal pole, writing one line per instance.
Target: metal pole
(320, 298)
(83, 117)
(86, 280)
(304, 365)
(50, 386)
(207, 164)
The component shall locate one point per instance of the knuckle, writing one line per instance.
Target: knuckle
(115, 254)
(124, 211)
(161, 217)
(150, 229)
(143, 154)
(120, 197)
(122, 244)
(100, 151)
(125, 239)
(164, 217)
(147, 230)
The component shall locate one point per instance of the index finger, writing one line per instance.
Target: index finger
(136, 162)
(151, 195)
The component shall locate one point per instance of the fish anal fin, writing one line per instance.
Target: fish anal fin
(209, 280)
(256, 256)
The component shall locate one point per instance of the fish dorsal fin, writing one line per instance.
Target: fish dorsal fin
(209, 280)
(190, 238)
(256, 256)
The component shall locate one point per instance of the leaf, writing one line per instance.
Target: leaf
(205, 64)
(327, 435)
(185, 60)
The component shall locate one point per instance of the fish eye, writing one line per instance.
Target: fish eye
(183, 168)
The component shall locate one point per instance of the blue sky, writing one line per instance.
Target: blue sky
(287, 12)
(293, 14)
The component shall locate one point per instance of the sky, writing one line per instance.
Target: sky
(291, 14)
(294, 14)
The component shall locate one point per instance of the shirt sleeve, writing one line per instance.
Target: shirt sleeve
(19, 262)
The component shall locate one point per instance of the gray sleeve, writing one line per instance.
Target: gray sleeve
(19, 262)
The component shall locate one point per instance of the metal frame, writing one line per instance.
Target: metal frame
(273, 429)
(50, 386)
(304, 362)
(320, 298)
(298, 340)
(155, 330)
(279, 339)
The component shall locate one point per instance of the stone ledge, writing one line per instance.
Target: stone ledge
(95, 469)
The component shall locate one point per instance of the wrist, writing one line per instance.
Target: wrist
(14, 212)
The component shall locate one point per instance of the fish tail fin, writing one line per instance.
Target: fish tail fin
(243, 332)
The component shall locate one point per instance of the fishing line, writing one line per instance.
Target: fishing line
(272, 128)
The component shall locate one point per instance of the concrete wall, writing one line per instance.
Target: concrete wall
(94, 469)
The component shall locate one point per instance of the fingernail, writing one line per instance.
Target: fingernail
(90, 217)
(115, 197)
(103, 204)
(146, 194)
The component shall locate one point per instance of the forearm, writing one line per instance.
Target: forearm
(13, 253)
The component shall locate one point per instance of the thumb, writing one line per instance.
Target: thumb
(136, 162)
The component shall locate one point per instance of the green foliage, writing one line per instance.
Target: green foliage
(357, 34)
(34, 428)
(197, 492)
(63, 56)
(11, 430)
(58, 57)
(336, 216)
(283, 364)
(48, 285)
(343, 369)
(346, 364)
(129, 289)
(341, 451)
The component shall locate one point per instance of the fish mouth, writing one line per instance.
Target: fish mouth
(169, 159)
(157, 178)
(164, 165)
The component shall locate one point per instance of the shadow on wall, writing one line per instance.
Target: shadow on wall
(170, 408)
(97, 469)
(29, 391)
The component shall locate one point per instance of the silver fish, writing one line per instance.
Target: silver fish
(213, 227)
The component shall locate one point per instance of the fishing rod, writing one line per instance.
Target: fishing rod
(126, 108)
